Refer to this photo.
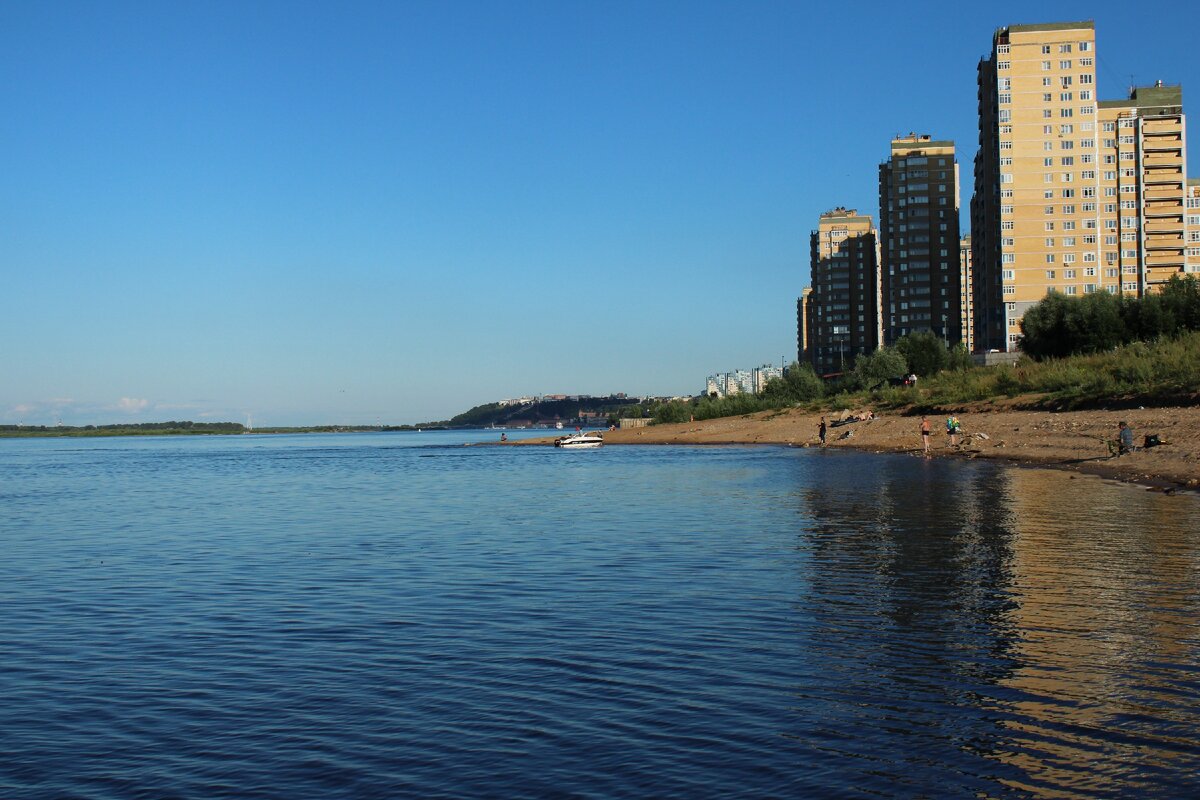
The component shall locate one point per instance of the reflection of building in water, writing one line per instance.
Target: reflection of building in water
(907, 584)
(1035, 619)
(1104, 586)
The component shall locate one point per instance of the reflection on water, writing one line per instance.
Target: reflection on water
(400, 616)
(1042, 621)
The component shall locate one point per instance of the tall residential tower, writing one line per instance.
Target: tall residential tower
(1071, 194)
(843, 319)
(919, 239)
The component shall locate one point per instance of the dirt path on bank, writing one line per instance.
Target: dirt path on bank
(1063, 439)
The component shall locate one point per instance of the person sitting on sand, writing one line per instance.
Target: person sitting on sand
(1124, 438)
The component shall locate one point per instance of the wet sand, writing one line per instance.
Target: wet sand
(1067, 439)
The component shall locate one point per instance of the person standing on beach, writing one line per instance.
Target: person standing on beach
(821, 431)
(925, 434)
(952, 428)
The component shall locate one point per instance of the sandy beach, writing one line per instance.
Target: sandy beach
(1068, 440)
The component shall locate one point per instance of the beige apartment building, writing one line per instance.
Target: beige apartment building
(1193, 224)
(1071, 194)
(802, 307)
(843, 311)
(918, 239)
(966, 301)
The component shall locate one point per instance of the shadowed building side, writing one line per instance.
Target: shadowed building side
(843, 315)
(919, 239)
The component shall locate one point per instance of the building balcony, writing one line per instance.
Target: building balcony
(1156, 144)
(1159, 260)
(1161, 193)
(1151, 127)
(1164, 243)
(1164, 208)
(1156, 160)
(1164, 225)
(1164, 176)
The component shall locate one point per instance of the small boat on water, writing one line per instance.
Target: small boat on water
(580, 440)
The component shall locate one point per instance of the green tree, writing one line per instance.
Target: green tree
(874, 369)
(960, 358)
(798, 384)
(1181, 297)
(924, 352)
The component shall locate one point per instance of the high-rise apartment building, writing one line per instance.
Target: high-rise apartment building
(843, 319)
(1193, 224)
(919, 239)
(1144, 187)
(966, 297)
(1037, 122)
(802, 308)
(1071, 194)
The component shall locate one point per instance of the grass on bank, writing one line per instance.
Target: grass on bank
(1163, 372)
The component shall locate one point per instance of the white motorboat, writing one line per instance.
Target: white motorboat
(580, 440)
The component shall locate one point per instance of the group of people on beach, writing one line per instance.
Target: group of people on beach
(953, 429)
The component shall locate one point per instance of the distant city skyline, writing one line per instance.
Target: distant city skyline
(354, 213)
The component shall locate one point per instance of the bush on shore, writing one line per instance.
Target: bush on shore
(1060, 326)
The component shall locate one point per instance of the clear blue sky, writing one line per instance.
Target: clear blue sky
(361, 212)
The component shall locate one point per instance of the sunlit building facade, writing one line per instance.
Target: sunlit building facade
(1071, 194)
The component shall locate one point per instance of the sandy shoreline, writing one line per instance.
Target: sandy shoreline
(1066, 440)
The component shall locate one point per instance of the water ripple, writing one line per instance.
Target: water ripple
(357, 617)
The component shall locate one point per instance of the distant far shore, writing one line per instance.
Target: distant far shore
(1075, 440)
(190, 429)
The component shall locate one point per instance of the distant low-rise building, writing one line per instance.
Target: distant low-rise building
(741, 381)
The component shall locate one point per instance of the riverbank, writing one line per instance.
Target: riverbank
(1073, 440)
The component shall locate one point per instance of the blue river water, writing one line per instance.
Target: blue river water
(400, 615)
